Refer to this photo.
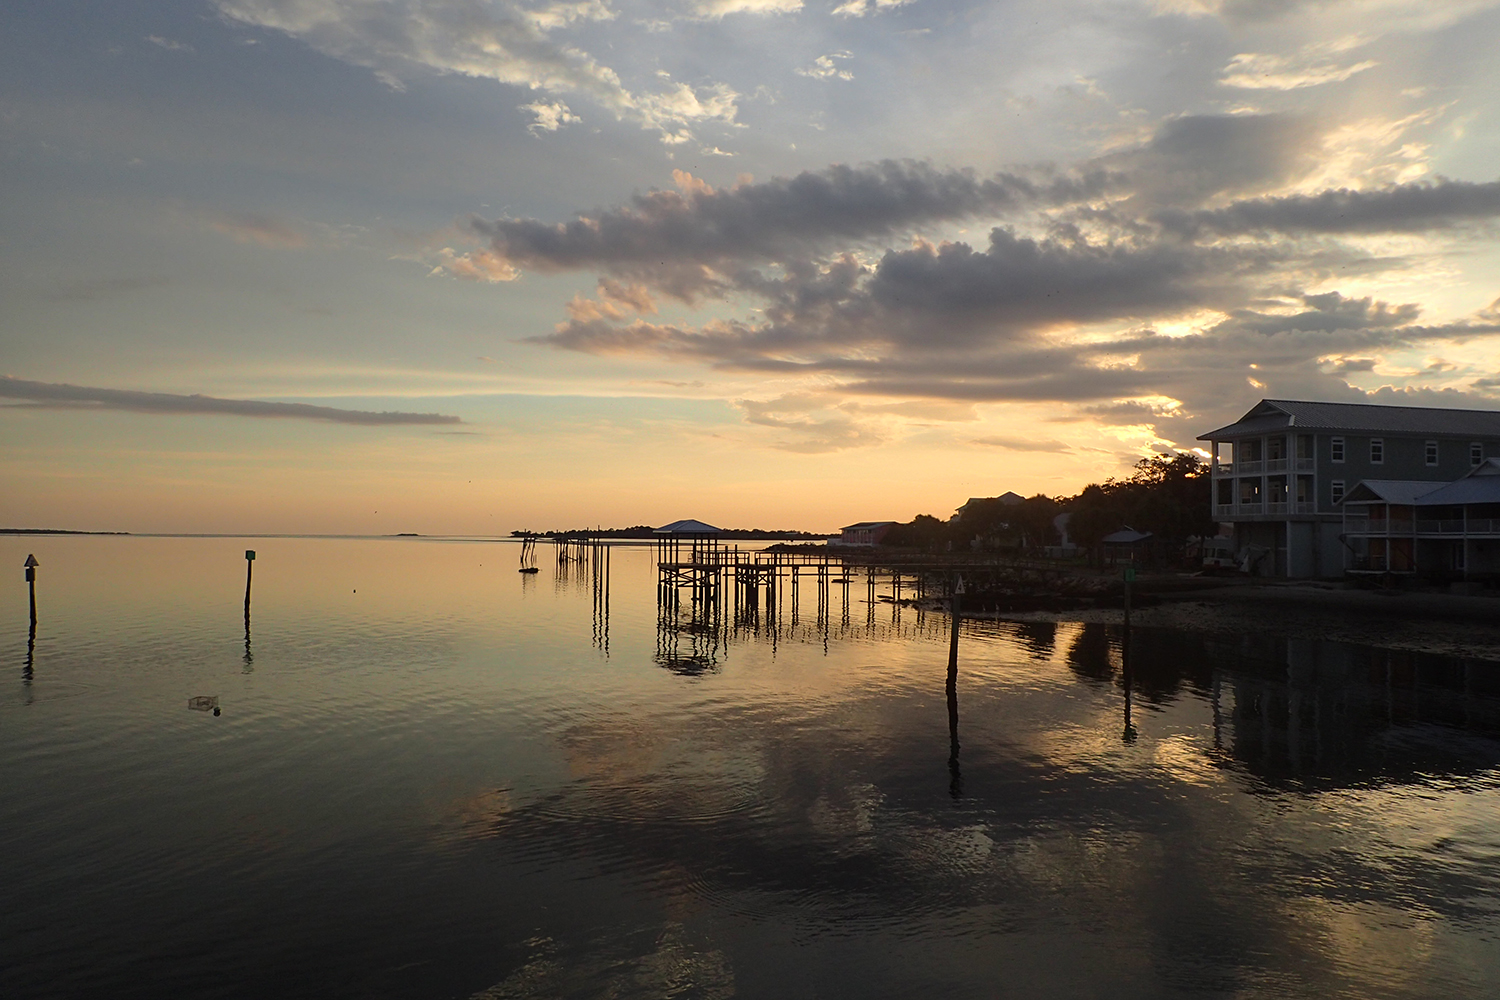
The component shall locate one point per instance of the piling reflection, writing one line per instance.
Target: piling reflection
(28, 670)
(1307, 714)
(955, 774)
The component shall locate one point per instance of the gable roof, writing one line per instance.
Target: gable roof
(866, 525)
(687, 526)
(1271, 415)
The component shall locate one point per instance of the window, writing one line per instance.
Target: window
(1432, 453)
(1337, 449)
(1476, 454)
(1338, 490)
(1377, 451)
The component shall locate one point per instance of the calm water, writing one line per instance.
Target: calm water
(435, 777)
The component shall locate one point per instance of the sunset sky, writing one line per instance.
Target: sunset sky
(462, 266)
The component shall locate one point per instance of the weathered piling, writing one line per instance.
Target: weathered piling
(31, 565)
(249, 568)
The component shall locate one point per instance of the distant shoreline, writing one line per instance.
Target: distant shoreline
(56, 531)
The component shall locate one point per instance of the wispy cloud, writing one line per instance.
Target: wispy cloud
(259, 228)
(501, 41)
(1022, 444)
(168, 44)
(62, 395)
(859, 8)
(723, 8)
(825, 68)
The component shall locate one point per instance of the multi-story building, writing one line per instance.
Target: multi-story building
(1282, 470)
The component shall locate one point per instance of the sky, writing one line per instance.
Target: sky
(463, 266)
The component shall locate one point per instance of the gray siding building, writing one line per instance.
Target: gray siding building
(1281, 471)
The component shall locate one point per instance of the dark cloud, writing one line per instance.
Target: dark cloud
(1066, 304)
(1194, 158)
(1398, 209)
(57, 394)
(772, 220)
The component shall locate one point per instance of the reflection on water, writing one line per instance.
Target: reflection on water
(441, 779)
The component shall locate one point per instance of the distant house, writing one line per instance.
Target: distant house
(865, 533)
(1006, 499)
(1292, 463)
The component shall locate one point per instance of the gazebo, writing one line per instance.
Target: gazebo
(702, 543)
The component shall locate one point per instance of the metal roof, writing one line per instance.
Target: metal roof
(1125, 536)
(866, 525)
(687, 526)
(1403, 492)
(1482, 485)
(1476, 489)
(1270, 415)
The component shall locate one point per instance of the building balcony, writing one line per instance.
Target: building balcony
(1275, 465)
(1447, 527)
(1378, 526)
(1275, 508)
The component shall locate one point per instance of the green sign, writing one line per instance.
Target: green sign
(249, 553)
(1130, 574)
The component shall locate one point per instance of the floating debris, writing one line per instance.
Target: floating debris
(204, 703)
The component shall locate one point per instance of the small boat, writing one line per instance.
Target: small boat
(527, 569)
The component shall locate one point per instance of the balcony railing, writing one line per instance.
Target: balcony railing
(1306, 464)
(1377, 526)
(1275, 465)
(1445, 526)
(1276, 507)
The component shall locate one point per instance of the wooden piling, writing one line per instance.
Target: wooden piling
(31, 565)
(954, 612)
(249, 567)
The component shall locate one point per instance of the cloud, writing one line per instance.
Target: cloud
(1155, 287)
(475, 265)
(501, 41)
(691, 231)
(809, 424)
(55, 395)
(824, 67)
(859, 8)
(168, 44)
(1313, 66)
(723, 8)
(550, 116)
(257, 228)
(1022, 444)
(1396, 209)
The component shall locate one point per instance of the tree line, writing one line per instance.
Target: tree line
(1166, 495)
